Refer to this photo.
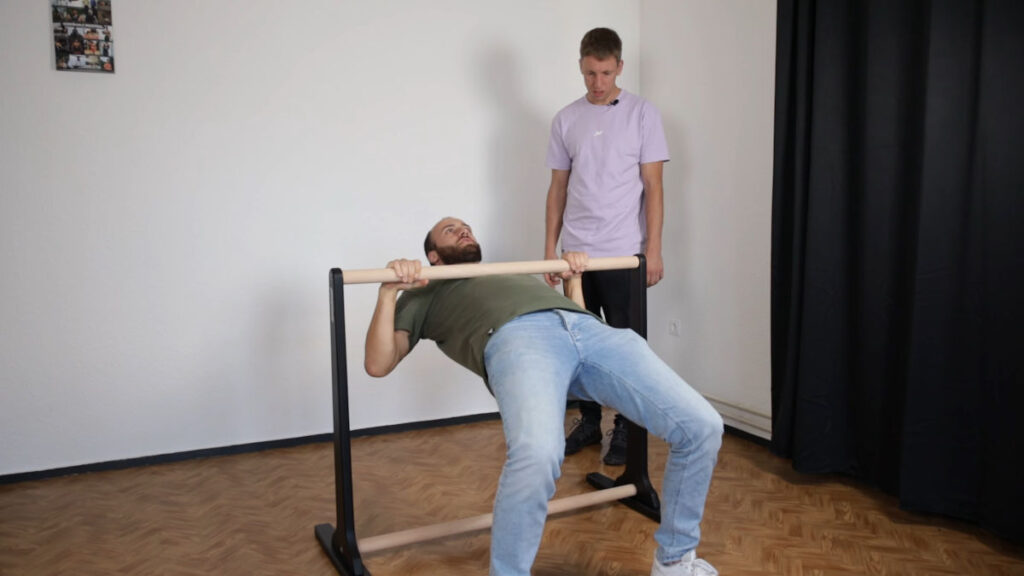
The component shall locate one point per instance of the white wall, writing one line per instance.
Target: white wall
(166, 231)
(709, 65)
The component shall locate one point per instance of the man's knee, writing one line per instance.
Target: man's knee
(538, 458)
(701, 431)
(711, 429)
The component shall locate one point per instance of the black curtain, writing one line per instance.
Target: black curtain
(897, 251)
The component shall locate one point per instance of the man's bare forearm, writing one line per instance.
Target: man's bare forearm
(654, 198)
(385, 346)
(554, 211)
(381, 349)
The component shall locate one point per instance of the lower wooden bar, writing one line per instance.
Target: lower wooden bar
(433, 531)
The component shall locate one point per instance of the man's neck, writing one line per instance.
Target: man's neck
(612, 98)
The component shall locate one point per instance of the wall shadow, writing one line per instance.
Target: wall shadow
(516, 173)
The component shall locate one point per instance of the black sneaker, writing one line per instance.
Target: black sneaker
(616, 455)
(583, 434)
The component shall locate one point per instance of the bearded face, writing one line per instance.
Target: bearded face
(468, 253)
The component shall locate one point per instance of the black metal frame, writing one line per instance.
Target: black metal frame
(646, 500)
(340, 544)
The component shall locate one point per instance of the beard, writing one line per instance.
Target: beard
(465, 254)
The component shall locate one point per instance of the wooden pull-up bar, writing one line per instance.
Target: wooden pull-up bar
(433, 531)
(450, 271)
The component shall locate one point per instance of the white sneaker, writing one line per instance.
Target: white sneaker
(690, 565)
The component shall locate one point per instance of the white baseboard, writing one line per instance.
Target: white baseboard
(742, 418)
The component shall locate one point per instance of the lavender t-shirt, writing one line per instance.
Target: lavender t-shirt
(603, 147)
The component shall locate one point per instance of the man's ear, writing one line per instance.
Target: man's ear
(433, 257)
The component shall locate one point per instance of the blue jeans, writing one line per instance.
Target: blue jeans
(539, 360)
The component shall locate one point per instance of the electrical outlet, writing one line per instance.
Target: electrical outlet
(675, 327)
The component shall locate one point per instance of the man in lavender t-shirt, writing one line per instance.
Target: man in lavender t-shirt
(606, 154)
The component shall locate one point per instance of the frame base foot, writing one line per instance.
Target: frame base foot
(646, 504)
(325, 535)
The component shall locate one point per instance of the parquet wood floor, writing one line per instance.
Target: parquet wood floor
(254, 514)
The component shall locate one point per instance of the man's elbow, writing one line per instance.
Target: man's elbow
(376, 369)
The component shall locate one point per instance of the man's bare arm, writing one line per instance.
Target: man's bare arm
(385, 346)
(654, 196)
(555, 208)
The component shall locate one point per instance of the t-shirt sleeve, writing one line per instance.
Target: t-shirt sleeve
(654, 147)
(558, 156)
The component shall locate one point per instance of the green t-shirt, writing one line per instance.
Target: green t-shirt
(460, 315)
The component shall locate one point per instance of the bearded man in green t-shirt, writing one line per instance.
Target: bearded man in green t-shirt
(535, 349)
